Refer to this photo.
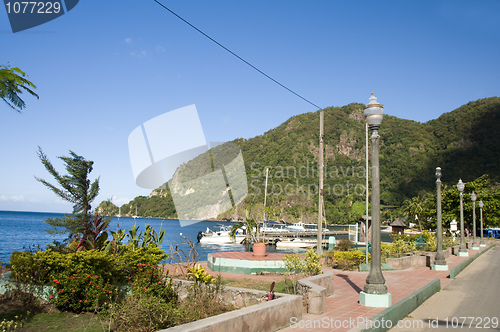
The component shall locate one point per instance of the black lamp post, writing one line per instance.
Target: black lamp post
(375, 291)
(481, 204)
(462, 249)
(475, 245)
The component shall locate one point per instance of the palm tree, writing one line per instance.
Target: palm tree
(412, 208)
(12, 85)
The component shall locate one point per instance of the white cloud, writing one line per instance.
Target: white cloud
(19, 198)
(160, 49)
(138, 54)
(129, 40)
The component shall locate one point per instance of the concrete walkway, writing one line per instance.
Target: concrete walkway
(470, 299)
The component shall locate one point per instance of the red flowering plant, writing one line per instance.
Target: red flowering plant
(83, 291)
(150, 280)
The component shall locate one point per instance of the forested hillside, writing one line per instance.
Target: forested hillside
(464, 143)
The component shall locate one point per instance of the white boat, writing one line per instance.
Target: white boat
(273, 227)
(221, 236)
(297, 243)
(299, 226)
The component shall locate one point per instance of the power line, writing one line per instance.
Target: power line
(236, 55)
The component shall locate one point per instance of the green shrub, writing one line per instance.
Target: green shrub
(349, 260)
(398, 248)
(344, 245)
(143, 312)
(149, 280)
(82, 279)
(312, 266)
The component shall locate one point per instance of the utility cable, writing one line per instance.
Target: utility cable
(236, 55)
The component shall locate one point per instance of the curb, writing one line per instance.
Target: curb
(462, 265)
(389, 318)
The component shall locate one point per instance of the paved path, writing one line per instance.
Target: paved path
(472, 298)
(343, 310)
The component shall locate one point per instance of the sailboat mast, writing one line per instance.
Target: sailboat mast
(319, 247)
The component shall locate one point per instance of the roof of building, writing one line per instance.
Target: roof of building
(398, 222)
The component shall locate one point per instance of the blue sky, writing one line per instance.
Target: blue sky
(106, 67)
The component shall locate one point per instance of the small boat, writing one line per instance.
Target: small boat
(297, 243)
(299, 226)
(221, 236)
(273, 227)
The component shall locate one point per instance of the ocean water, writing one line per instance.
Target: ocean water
(19, 230)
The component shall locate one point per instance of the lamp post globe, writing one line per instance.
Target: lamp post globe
(462, 249)
(375, 291)
(475, 245)
(374, 112)
(481, 204)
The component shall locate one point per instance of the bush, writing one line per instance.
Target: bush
(349, 260)
(312, 266)
(84, 279)
(398, 248)
(153, 305)
(344, 245)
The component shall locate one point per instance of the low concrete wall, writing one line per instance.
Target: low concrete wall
(459, 268)
(315, 290)
(406, 262)
(399, 310)
(267, 316)
(425, 258)
(239, 297)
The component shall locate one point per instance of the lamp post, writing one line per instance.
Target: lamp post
(375, 291)
(481, 204)
(462, 249)
(475, 245)
(439, 261)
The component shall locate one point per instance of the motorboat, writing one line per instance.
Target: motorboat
(272, 227)
(296, 243)
(299, 226)
(221, 236)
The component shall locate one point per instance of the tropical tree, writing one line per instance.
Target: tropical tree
(12, 83)
(424, 209)
(75, 188)
(413, 208)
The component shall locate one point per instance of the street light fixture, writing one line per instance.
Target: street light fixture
(481, 204)
(375, 291)
(475, 245)
(462, 249)
(439, 260)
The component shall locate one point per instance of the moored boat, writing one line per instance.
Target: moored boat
(222, 236)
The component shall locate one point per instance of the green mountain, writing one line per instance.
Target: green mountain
(464, 143)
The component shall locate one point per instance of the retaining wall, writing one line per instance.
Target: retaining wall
(266, 316)
(315, 290)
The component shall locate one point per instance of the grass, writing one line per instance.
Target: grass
(263, 285)
(56, 322)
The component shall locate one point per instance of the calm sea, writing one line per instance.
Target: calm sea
(23, 229)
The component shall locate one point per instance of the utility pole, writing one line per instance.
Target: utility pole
(320, 197)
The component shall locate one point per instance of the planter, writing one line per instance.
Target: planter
(259, 249)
